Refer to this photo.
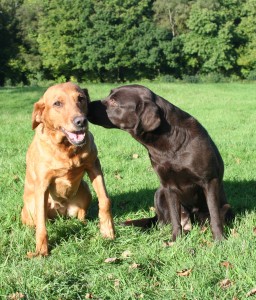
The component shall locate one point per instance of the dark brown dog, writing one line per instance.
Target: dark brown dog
(182, 153)
(61, 152)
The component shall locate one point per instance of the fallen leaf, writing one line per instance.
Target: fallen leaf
(16, 296)
(203, 229)
(126, 253)
(192, 251)
(135, 156)
(157, 283)
(134, 266)
(139, 296)
(111, 260)
(206, 243)
(251, 293)
(184, 273)
(16, 178)
(238, 160)
(226, 264)
(118, 176)
(254, 230)
(116, 283)
(234, 233)
(225, 283)
(168, 244)
(88, 296)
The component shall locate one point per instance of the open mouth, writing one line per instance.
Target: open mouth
(76, 138)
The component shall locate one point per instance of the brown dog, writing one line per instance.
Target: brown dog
(183, 155)
(61, 152)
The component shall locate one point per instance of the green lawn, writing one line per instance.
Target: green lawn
(142, 267)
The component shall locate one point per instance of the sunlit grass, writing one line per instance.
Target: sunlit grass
(76, 268)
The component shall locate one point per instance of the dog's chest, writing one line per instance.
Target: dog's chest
(68, 178)
(64, 188)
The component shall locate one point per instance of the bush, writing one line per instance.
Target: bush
(191, 78)
(212, 78)
(167, 78)
(251, 75)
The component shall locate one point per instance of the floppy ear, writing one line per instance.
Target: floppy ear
(88, 100)
(37, 113)
(150, 118)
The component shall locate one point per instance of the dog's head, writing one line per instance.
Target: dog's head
(63, 108)
(131, 108)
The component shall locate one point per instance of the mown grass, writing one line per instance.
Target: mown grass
(76, 268)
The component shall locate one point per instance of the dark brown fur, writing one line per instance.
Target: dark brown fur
(181, 151)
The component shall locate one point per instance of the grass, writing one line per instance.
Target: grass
(76, 268)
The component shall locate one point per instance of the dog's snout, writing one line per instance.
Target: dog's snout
(80, 121)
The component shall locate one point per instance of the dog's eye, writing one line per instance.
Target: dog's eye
(57, 104)
(80, 99)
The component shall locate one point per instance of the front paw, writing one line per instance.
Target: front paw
(41, 246)
(37, 253)
(107, 229)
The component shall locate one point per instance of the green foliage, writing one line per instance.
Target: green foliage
(247, 28)
(29, 58)
(125, 40)
(172, 14)
(210, 45)
(9, 41)
(60, 25)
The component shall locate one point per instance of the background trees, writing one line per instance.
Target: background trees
(125, 40)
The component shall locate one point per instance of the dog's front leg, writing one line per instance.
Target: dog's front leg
(212, 194)
(175, 212)
(105, 216)
(41, 216)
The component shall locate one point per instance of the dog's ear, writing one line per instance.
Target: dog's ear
(150, 118)
(37, 113)
(88, 100)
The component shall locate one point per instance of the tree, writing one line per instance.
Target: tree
(108, 40)
(29, 59)
(247, 29)
(123, 42)
(173, 14)
(61, 24)
(9, 42)
(212, 41)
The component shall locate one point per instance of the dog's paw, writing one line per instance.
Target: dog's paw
(36, 254)
(107, 229)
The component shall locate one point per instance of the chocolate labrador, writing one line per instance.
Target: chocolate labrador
(183, 155)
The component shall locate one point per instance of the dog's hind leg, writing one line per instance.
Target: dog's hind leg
(79, 204)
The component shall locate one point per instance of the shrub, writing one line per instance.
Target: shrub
(251, 75)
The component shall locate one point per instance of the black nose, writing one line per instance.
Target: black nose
(80, 121)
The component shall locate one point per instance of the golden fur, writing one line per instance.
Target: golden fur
(61, 152)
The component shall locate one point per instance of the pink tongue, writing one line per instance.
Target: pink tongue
(77, 137)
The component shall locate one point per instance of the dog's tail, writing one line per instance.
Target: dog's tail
(227, 213)
(143, 223)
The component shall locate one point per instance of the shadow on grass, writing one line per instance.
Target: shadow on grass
(63, 230)
(241, 196)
